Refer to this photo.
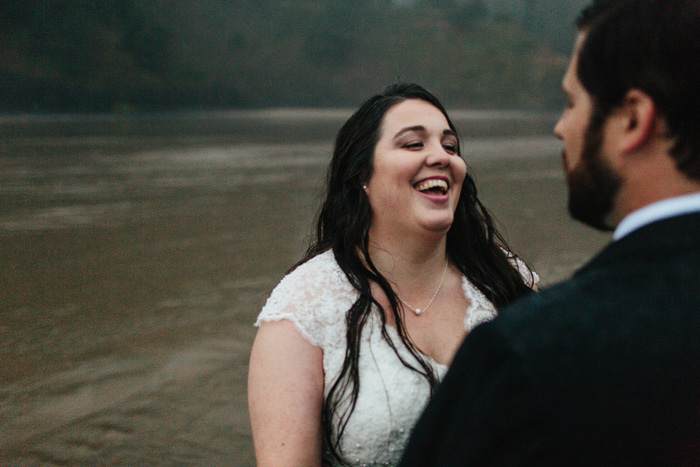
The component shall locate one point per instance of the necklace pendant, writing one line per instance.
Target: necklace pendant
(418, 311)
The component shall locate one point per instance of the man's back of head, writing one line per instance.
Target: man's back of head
(652, 46)
(633, 87)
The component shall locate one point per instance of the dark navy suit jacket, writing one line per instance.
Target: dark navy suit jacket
(601, 370)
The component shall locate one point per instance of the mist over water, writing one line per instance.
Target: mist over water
(137, 252)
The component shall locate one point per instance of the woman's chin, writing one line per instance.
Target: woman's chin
(437, 226)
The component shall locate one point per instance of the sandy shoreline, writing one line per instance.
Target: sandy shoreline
(133, 274)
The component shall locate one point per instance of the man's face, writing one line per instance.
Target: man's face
(593, 184)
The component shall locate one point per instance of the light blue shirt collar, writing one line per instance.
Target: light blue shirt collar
(657, 211)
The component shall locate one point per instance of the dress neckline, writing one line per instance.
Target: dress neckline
(475, 298)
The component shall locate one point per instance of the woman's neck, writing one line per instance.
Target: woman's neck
(409, 262)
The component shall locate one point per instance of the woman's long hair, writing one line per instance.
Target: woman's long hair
(473, 245)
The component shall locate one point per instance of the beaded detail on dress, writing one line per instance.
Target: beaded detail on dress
(315, 297)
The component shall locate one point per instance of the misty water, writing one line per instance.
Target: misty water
(137, 251)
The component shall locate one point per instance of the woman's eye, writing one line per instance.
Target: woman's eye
(414, 145)
(452, 148)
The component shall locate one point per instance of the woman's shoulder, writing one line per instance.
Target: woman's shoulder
(480, 309)
(318, 274)
(530, 277)
(314, 296)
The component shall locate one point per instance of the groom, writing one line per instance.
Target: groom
(604, 369)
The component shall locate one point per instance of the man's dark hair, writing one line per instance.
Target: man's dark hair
(652, 46)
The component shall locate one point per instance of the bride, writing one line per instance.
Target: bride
(406, 261)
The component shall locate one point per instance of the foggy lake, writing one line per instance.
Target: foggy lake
(138, 250)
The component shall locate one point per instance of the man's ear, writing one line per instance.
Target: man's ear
(638, 121)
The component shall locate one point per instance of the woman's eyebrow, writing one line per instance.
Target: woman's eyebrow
(419, 128)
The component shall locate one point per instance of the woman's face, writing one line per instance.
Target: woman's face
(417, 172)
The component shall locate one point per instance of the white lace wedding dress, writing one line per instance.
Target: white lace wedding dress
(315, 297)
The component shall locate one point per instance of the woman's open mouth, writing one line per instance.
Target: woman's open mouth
(435, 186)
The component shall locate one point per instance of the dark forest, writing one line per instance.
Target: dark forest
(132, 56)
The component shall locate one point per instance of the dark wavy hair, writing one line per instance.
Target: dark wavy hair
(653, 46)
(473, 245)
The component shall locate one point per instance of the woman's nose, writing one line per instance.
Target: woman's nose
(438, 156)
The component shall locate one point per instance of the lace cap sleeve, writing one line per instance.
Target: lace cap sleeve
(314, 297)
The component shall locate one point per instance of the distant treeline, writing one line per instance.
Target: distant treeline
(130, 55)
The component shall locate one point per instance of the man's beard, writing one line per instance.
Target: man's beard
(593, 185)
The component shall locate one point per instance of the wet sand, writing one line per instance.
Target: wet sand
(134, 265)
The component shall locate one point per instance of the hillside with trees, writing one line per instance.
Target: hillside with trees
(128, 55)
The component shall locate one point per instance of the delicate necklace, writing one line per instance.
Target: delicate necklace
(418, 311)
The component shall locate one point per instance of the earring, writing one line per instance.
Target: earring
(364, 187)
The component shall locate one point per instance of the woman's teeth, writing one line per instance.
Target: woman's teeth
(431, 184)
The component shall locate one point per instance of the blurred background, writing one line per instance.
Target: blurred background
(131, 55)
(161, 163)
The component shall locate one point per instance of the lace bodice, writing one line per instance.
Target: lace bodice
(315, 297)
